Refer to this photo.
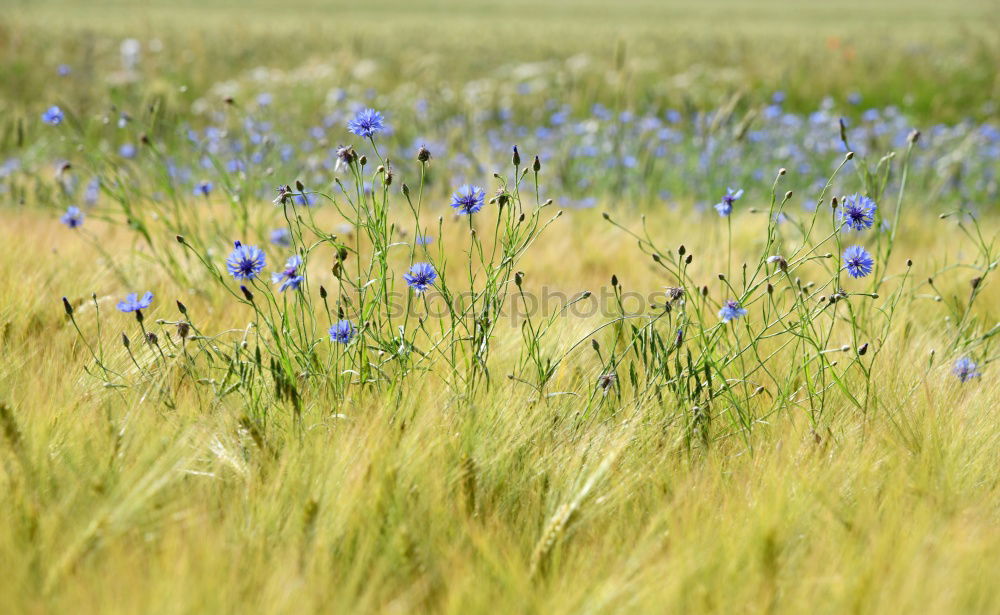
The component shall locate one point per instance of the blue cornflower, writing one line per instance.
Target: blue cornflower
(281, 237)
(64, 70)
(420, 277)
(73, 217)
(92, 192)
(245, 262)
(290, 277)
(966, 369)
(731, 310)
(53, 115)
(468, 199)
(127, 151)
(367, 123)
(203, 188)
(858, 261)
(423, 240)
(342, 331)
(858, 212)
(132, 302)
(725, 206)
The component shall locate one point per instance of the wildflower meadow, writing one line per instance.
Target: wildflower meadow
(527, 307)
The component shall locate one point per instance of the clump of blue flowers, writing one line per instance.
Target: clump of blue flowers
(291, 277)
(342, 332)
(420, 277)
(731, 310)
(966, 369)
(725, 206)
(858, 212)
(73, 217)
(366, 123)
(858, 262)
(468, 199)
(132, 302)
(53, 116)
(245, 262)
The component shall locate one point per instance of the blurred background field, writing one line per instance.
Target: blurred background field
(934, 59)
(852, 470)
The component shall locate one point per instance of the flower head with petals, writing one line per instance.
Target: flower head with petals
(725, 206)
(291, 277)
(342, 332)
(858, 262)
(420, 277)
(132, 302)
(731, 310)
(468, 199)
(367, 123)
(245, 262)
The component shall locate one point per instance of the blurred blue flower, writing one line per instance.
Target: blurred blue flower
(132, 302)
(731, 310)
(367, 123)
(725, 206)
(73, 217)
(342, 332)
(245, 262)
(420, 277)
(281, 237)
(966, 369)
(468, 199)
(203, 188)
(127, 150)
(92, 191)
(858, 212)
(53, 116)
(290, 277)
(858, 261)
(64, 70)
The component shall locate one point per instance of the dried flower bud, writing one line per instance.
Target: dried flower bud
(423, 154)
(247, 293)
(67, 307)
